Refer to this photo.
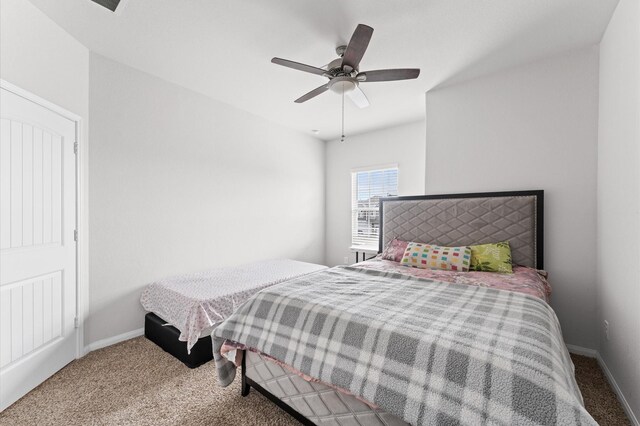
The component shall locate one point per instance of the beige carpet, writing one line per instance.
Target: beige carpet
(137, 383)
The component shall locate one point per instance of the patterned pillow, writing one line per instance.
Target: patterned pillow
(427, 256)
(395, 250)
(494, 257)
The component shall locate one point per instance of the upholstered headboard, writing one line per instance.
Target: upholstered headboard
(467, 219)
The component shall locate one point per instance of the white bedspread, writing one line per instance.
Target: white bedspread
(194, 302)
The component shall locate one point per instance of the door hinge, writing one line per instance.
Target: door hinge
(76, 322)
(75, 148)
(75, 235)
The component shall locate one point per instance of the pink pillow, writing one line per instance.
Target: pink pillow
(395, 250)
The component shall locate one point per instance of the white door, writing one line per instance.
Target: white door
(37, 247)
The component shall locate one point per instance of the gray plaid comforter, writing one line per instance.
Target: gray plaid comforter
(428, 352)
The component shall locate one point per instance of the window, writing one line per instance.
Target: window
(367, 187)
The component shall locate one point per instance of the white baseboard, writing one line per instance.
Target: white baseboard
(625, 405)
(592, 353)
(113, 340)
(579, 350)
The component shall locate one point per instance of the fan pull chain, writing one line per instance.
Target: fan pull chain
(342, 138)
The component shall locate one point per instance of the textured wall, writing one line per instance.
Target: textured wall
(619, 200)
(402, 145)
(180, 182)
(531, 127)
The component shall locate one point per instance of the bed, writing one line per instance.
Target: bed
(184, 309)
(372, 344)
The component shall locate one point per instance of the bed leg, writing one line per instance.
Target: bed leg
(245, 388)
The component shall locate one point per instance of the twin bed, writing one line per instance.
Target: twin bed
(184, 309)
(377, 343)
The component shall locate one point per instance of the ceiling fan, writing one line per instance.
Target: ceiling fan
(344, 73)
(112, 5)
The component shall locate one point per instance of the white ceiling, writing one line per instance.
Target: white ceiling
(223, 48)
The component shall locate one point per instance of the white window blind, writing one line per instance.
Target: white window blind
(367, 187)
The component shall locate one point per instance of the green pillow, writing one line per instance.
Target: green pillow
(495, 257)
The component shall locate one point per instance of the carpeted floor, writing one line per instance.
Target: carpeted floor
(137, 383)
(598, 396)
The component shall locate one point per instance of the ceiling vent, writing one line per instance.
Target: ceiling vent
(109, 4)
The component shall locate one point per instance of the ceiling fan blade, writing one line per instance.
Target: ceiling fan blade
(298, 66)
(358, 97)
(389, 75)
(357, 46)
(112, 5)
(312, 94)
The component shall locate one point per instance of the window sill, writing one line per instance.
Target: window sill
(365, 249)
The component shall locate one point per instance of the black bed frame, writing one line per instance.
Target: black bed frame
(166, 336)
(247, 383)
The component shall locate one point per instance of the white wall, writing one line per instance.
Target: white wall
(181, 182)
(403, 145)
(39, 56)
(531, 127)
(619, 199)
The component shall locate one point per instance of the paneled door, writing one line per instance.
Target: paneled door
(37, 244)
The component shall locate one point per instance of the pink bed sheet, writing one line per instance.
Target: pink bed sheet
(523, 280)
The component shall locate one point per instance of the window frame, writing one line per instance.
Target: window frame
(373, 243)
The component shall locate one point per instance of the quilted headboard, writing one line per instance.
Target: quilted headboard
(468, 219)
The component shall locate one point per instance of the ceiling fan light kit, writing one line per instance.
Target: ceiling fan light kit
(343, 84)
(344, 74)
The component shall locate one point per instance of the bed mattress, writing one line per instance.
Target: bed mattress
(195, 303)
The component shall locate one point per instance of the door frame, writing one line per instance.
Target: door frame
(82, 209)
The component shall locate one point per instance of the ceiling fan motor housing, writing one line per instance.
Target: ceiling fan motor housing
(336, 69)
